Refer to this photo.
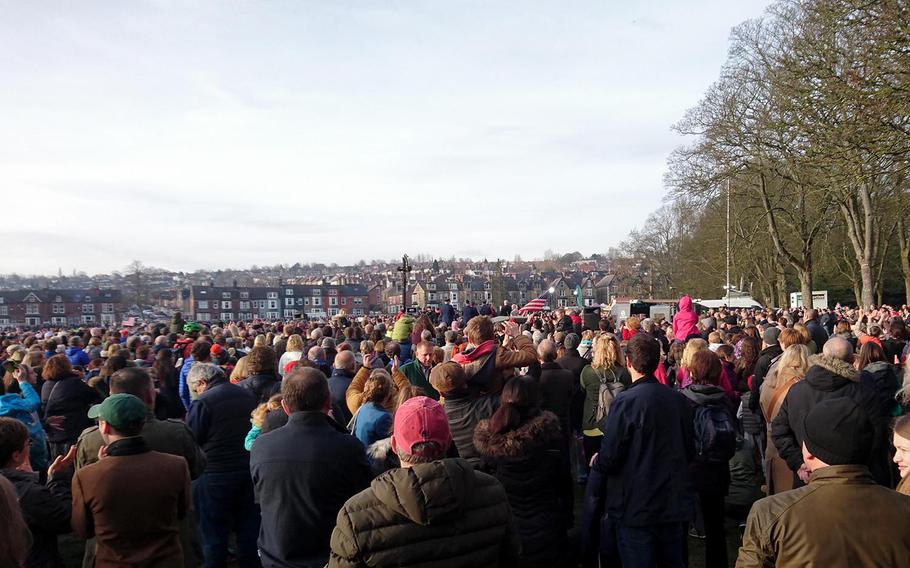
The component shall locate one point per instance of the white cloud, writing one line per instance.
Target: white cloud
(314, 131)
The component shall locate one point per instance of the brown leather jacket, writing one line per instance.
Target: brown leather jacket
(841, 518)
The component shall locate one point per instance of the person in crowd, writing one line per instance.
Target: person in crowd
(431, 510)
(223, 495)
(446, 313)
(878, 373)
(820, 524)
(771, 351)
(469, 312)
(46, 508)
(167, 401)
(488, 364)
(450, 344)
(15, 539)
(464, 407)
(263, 380)
(523, 447)
(685, 322)
(373, 421)
(65, 400)
(77, 356)
(201, 351)
(789, 370)
(303, 473)
(648, 444)
(133, 516)
(341, 378)
(830, 375)
(606, 371)
(166, 436)
(901, 442)
(418, 370)
(818, 333)
(259, 417)
(715, 441)
(556, 386)
(354, 395)
(294, 347)
(316, 355)
(19, 400)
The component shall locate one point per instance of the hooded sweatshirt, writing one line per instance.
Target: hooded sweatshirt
(685, 322)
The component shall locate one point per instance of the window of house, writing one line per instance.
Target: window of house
(88, 319)
(244, 295)
(204, 317)
(333, 301)
(202, 304)
(58, 309)
(226, 295)
(316, 292)
(272, 295)
(333, 292)
(107, 308)
(227, 316)
(273, 305)
(244, 306)
(288, 291)
(225, 304)
(4, 310)
(317, 301)
(358, 301)
(289, 302)
(87, 308)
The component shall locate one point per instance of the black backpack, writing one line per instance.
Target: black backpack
(715, 434)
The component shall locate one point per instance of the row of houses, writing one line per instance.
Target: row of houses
(213, 303)
(592, 289)
(83, 307)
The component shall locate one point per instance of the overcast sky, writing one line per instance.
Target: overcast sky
(226, 134)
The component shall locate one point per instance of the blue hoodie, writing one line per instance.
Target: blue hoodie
(24, 408)
(77, 356)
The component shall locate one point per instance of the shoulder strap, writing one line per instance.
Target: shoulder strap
(778, 398)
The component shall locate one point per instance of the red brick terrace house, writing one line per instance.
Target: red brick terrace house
(60, 307)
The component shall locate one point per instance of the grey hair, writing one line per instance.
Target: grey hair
(202, 372)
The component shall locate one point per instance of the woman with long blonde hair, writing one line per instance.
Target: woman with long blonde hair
(293, 352)
(606, 367)
(790, 369)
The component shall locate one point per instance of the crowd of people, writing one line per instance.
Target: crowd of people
(472, 438)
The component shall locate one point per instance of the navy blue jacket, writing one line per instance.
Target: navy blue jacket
(338, 386)
(446, 314)
(469, 312)
(220, 420)
(647, 447)
(303, 473)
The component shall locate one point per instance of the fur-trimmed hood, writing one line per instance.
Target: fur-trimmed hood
(536, 433)
(822, 366)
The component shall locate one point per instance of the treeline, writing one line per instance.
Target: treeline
(808, 128)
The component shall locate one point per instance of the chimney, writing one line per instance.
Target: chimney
(235, 282)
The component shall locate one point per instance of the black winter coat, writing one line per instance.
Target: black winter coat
(47, 510)
(709, 477)
(262, 386)
(762, 365)
(882, 378)
(557, 387)
(528, 461)
(828, 378)
(220, 420)
(71, 398)
(302, 475)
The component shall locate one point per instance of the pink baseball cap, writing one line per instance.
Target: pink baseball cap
(420, 419)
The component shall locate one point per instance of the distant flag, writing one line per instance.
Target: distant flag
(535, 305)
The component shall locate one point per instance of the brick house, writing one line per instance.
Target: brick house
(61, 307)
(214, 303)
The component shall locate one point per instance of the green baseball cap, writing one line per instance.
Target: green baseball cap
(119, 410)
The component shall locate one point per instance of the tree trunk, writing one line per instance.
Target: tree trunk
(860, 229)
(780, 275)
(805, 285)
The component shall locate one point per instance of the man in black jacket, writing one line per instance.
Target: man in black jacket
(647, 447)
(46, 508)
(303, 473)
(830, 375)
(770, 352)
(223, 495)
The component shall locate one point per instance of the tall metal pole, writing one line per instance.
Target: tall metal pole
(728, 242)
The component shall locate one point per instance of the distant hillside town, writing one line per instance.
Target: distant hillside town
(314, 290)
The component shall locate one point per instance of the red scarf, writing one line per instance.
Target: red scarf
(478, 352)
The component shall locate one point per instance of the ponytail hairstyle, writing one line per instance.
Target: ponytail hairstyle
(378, 387)
(518, 402)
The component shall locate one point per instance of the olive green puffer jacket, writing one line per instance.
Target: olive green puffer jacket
(442, 514)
